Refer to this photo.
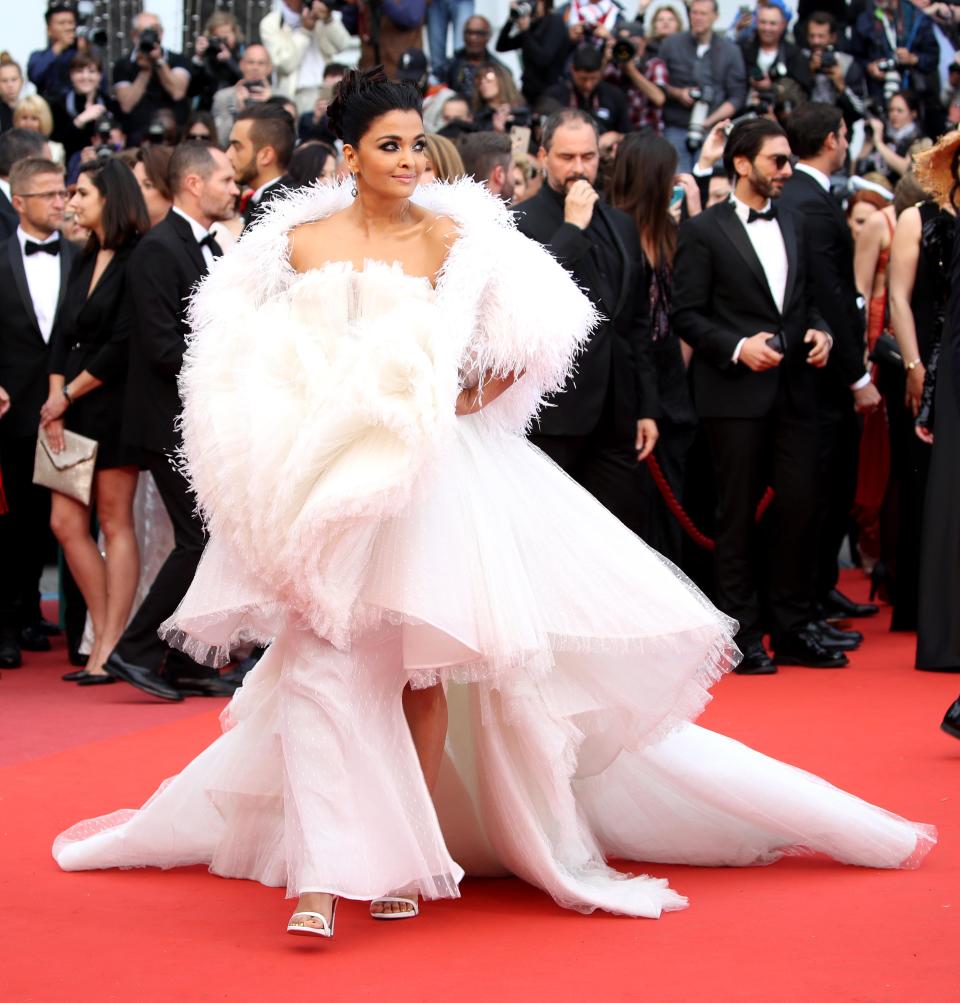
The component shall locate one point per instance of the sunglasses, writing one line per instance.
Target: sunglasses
(780, 160)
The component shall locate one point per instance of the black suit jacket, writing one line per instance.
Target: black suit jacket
(161, 274)
(834, 289)
(24, 355)
(255, 210)
(9, 220)
(720, 295)
(617, 358)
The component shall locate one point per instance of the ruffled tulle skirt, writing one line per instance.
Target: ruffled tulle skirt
(573, 658)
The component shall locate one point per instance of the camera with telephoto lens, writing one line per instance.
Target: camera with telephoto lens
(696, 130)
(215, 45)
(828, 58)
(623, 51)
(886, 65)
(149, 40)
(520, 11)
(103, 128)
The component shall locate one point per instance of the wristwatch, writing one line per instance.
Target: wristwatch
(910, 366)
(66, 393)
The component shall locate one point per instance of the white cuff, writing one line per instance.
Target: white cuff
(702, 172)
(861, 383)
(738, 350)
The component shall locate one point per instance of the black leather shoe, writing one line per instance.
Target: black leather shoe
(72, 677)
(835, 639)
(805, 648)
(94, 679)
(141, 677)
(837, 606)
(46, 627)
(756, 661)
(33, 639)
(9, 654)
(205, 686)
(951, 723)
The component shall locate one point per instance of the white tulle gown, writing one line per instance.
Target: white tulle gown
(384, 541)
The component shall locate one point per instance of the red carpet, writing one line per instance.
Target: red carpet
(802, 930)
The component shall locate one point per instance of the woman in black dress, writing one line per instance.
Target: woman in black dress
(88, 367)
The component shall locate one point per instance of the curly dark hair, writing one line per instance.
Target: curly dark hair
(363, 96)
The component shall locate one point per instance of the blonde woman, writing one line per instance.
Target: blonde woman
(443, 162)
(34, 113)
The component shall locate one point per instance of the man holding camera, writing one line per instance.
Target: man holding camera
(838, 78)
(588, 91)
(641, 76)
(898, 48)
(253, 87)
(770, 58)
(543, 41)
(49, 69)
(151, 78)
(707, 82)
(603, 423)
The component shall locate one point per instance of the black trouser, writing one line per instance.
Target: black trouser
(839, 452)
(748, 454)
(140, 644)
(24, 535)
(604, 462)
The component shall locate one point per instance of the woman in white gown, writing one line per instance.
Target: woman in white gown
(376, 356)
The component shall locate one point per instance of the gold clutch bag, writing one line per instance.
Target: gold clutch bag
(70, 471)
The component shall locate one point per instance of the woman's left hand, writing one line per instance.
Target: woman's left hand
(54, 408)
(647, 435)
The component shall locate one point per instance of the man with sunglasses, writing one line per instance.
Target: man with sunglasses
(741, 300)
(461, 72)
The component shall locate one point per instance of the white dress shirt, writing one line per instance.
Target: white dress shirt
(258, 194)
(824, 182)
(767, 241)
(199, 233)
(43, 280)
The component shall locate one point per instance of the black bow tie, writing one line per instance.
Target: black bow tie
(32, 247)
(210, 241)
(771, 213)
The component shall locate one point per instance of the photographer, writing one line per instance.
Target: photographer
(707, 81)
(837, 77)
(75, 117)
(640, 75)
(887, 144)
(541, 36)
(149, 78)
(769, 58)
(49, 69)
(589, 92)
(496, 101)
(898, 48)
(215, 58)
(256, 69)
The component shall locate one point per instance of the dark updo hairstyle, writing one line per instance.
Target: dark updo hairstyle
(362, 96)
(125, 217)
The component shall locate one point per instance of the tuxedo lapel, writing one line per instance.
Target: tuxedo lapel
(182, 229)
(20, 280)
(789, 232)
(736, 233)
(67, 256)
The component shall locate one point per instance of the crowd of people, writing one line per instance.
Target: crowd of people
(758, 214)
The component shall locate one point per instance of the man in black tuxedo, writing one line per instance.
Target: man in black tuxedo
(261, 145)
(818, 136)
(15, 144)
(34, 265)
(741, 300)
(603, 423)
(162, 272)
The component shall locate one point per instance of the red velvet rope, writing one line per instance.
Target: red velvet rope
(686, 523)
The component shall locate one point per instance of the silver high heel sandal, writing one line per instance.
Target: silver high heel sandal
(413, 905)
(299, 928)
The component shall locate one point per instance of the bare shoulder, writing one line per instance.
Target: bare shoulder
(308, 242)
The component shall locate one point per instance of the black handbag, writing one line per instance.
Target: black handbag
(886, 352)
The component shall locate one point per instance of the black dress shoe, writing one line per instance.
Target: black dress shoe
(141, 677)
(9, 654)
(205, 686)
(805, 648)
(756, 661)
(837, 606)
(835, 639)
(951, 723)
(94, 679)
(46, 627)
(33, 639)
(72, 677)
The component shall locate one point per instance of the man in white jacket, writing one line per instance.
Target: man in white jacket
(301, 37)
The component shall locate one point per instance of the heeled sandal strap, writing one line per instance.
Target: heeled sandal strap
(413, 910)
(306, 926)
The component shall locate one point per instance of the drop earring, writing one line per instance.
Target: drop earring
(353, 187)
